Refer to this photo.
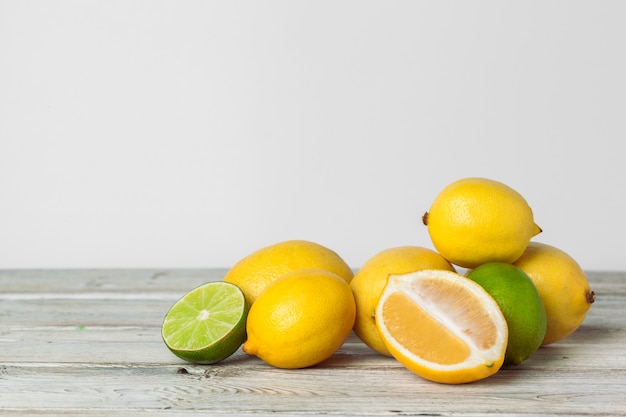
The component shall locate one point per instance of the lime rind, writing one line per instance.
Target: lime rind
(521, 305)
(207, 324)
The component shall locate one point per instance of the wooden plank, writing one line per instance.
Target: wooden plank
(177, 281)
(75, 348)
(73, 338)
(85, 312)
(28, 313)
(105, 281)
(250, 387)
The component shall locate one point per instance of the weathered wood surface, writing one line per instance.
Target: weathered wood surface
(87, 342)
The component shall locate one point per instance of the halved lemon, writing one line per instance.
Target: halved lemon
(442, 326)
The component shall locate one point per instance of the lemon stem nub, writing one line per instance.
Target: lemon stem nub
(425, 219)
(591, 297)
(249, 348)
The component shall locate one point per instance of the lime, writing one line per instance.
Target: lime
(521, 305)
(208, 324)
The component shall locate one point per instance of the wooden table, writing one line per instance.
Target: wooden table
(87, 343)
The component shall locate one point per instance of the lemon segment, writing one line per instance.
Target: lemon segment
(442, 326)
(370, 280)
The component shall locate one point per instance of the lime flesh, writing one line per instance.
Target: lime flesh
(208, 324)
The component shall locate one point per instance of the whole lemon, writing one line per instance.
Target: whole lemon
(562, 286)
(520, 304)
(254, 273)
(301, 319)
(370, 280)
(477, 220)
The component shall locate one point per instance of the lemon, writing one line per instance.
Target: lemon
(562, 285)
(255, 272)
(301, 319)
(521, 305)
(442, 326)
(370, 280)
(477, 220)
(208, 324)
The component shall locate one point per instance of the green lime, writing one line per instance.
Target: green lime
(208, 324)
(521, 305)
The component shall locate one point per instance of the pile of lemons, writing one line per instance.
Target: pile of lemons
(300, 300)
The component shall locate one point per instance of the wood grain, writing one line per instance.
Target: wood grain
(87, 342)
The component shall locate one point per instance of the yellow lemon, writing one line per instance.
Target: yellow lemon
(477, 220)
(370, 280)
(301, 319)
(562, 286)
(257, 271)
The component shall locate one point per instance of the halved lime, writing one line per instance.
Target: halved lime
(208, 324)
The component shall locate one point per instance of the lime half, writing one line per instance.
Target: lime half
(208, 324)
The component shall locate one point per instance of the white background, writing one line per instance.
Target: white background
(190, 133)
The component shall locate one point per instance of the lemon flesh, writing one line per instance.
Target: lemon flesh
(370, 280)
(207, 324)
(442, 326)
